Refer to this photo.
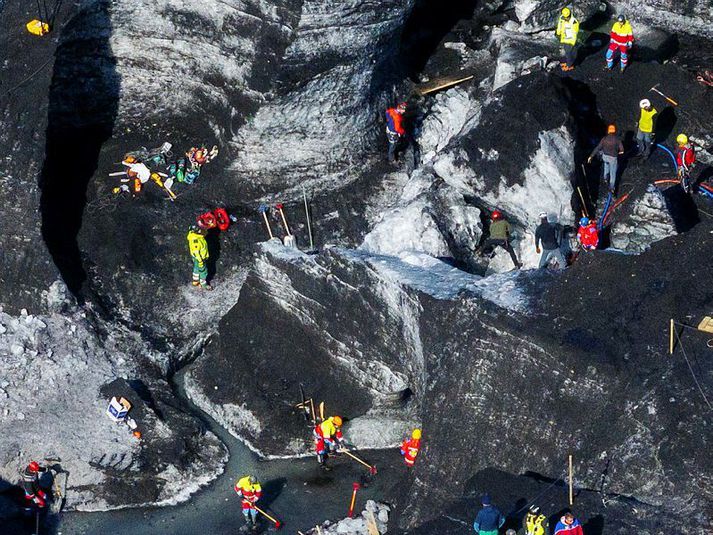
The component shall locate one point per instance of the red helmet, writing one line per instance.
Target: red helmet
(497, 214)
(401, 107)
(34, 467)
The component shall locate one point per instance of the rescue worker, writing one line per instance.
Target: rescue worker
(328, 438)
(610, 147)
(621, 38)
(567, 31)
(685, 159)
(547, 234)
(250, 492)
(535, 523)
(568, 525)
(489, 518)
(645, 133)
(500, 237)
(198, 248)
(588, 235)
(34, 495)
(410, 448)
(395, 130)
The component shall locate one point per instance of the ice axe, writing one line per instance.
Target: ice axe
(372, 469)
(275, 521)
(655, 90)
(289, 239)
(263, 211)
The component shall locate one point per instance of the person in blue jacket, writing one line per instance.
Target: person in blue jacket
(489, 518)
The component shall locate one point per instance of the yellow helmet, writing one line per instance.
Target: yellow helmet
(682, 139)
(566, 12)
(416, 434)
(337, 420)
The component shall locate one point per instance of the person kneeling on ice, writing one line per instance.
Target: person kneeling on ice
(198, 247)
(410, 448)
(588, 235)
(547, 234)
(568, 525)
(250, 492)
(34, 495)
(328, 438)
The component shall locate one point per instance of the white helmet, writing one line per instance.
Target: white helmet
(543, 215)
(645, 103)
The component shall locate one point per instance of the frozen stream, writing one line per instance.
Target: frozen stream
(297, 491)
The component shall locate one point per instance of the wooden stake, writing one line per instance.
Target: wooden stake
(371, 524)
(584, 204)
(571, 483)
(314, 415)
(321, 410)
(670, 338)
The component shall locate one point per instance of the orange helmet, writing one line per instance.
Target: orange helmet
(611, 129)
(130, 159)
(337, 420)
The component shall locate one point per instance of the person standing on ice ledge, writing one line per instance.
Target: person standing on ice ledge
(34, 495)
(621, 38)
(500, 237)
(250, 492)
(547, 234)
(645, 132)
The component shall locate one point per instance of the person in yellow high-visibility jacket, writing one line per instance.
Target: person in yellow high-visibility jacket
(198, 248)
(567, 31)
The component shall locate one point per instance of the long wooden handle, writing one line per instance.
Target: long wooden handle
(284, 220)
(264, 215)
(357, 459)
(446, 84)
(274, 520)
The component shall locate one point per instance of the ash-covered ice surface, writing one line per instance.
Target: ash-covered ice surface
(390, 311)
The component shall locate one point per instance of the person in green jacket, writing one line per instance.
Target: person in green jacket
(198, 248)
(500, 237)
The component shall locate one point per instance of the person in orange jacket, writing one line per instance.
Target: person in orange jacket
(410, 448)
(328, 438)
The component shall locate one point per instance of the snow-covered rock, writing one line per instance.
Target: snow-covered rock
(374, 512)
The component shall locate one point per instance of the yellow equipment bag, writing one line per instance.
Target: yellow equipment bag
(37, 27)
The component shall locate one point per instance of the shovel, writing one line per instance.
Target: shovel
(289, 239)
(263, 211)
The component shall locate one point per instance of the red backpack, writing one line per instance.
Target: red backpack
(221, 218)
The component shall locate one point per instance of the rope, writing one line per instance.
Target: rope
(531, 502)
(695, 379)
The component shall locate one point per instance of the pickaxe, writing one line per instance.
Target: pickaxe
(655, 90)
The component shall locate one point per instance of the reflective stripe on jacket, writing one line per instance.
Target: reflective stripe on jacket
(567, 30)
(197, 246)
(621, 33)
